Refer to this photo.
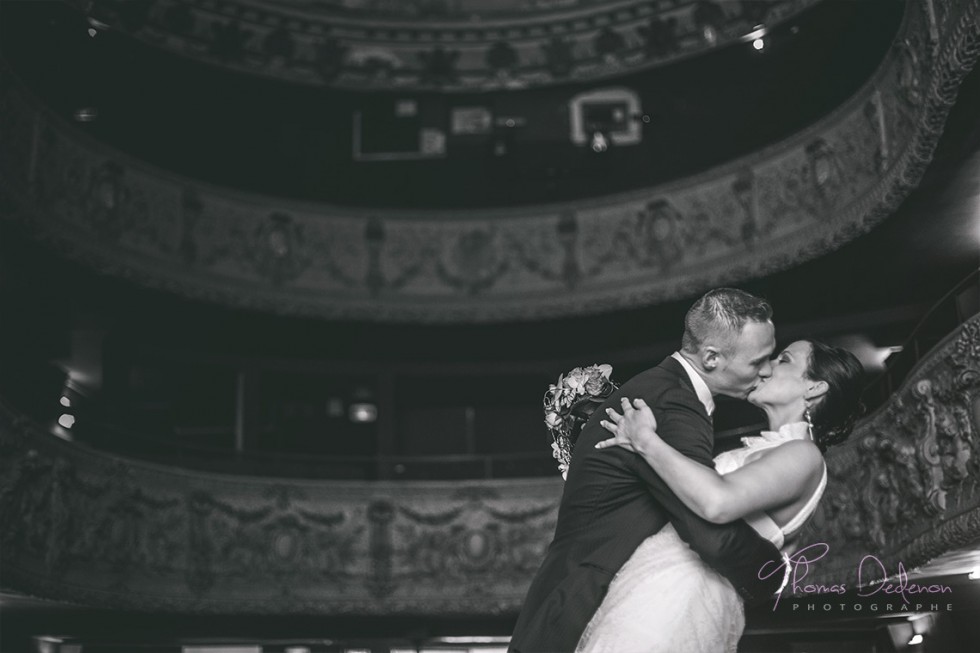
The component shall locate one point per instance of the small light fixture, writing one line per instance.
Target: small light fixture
(916, 639)
(975, 574)
(599, 142)
(86, 114)
(756, 37)
(47, 644)
(65, 401)
(363, 413)
(67, 420)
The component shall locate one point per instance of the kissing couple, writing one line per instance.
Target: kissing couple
(658, 547)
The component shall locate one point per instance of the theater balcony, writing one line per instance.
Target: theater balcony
(282, 285)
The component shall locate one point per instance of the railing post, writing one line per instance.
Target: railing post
(245, 411)
(386, 424)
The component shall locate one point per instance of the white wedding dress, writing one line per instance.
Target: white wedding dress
(665, 599)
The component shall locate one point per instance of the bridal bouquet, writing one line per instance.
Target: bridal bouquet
(570, 402)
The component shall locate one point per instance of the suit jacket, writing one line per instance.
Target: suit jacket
(613, 500)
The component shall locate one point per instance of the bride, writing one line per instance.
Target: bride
(665, 598)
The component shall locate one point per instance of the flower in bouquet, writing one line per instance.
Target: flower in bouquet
(569, 403)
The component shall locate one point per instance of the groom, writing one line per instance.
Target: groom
(613, 500)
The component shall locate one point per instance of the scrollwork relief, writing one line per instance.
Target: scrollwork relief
(391, 44)
(911, 469)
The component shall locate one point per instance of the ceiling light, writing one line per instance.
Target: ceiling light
(759, 44)
(975, 574)
(916, 639)
(66, 402)
(67, 420)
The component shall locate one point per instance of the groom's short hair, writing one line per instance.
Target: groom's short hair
(721, 314)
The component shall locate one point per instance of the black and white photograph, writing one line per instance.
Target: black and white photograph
(489, 326)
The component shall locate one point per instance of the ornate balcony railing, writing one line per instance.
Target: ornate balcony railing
(754, 216)
(451, 46)
(131, 442)
(92, 527)
(906, 486)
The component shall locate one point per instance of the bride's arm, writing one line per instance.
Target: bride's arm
(777, 478)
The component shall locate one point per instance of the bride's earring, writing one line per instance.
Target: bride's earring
(809, 422)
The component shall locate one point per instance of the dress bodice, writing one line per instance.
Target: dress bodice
(729, 461)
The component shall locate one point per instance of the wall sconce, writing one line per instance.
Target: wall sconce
(86, 114)
(599, 142)
(363, 413)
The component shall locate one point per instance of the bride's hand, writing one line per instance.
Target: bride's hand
(633, 429)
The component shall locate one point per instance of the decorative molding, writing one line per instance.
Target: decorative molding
(906, 486)
(424, 44)
(91, 527)
(754, 216)
(98, 529)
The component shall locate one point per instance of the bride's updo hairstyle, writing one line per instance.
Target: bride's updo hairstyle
(834, 414)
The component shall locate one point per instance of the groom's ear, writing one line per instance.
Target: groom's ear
(709, 357)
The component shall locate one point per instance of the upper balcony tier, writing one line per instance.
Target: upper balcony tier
(455, 46)
(803, 196)
(427, 148)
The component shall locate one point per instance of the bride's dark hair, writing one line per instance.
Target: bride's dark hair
(833, 416)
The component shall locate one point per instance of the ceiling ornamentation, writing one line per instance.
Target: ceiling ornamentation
(754, 216)
(91, 527)
(431, 44)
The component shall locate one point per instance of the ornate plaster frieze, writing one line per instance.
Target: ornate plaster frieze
(87, 526)
(93, 528)
(445, 45)
(753, 216)
(905, 488)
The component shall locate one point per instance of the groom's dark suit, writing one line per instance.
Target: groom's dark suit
(613, 500)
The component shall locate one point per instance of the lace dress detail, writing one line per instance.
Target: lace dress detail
(665, 599)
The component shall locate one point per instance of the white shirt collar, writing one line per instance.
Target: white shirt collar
(700, 387)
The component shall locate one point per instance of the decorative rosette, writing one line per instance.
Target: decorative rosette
(570, 402)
